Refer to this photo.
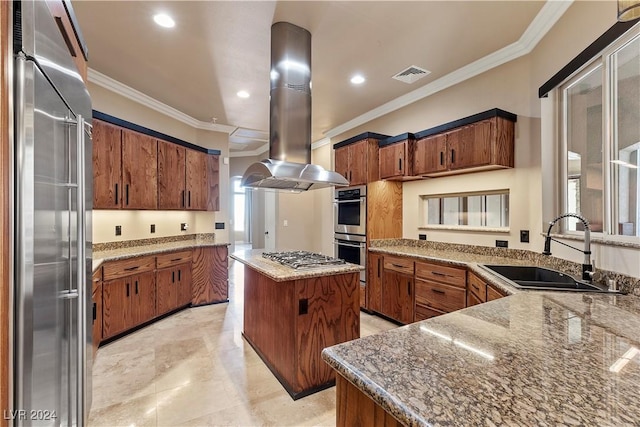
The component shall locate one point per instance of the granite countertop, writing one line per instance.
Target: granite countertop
(280, 273)
(533, 358)
(150, 249)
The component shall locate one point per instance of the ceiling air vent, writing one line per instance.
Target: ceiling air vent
(411, 74)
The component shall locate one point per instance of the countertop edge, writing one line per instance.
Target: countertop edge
(105, 256)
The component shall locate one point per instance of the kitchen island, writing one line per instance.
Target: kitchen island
(533, 358)
(290, 315)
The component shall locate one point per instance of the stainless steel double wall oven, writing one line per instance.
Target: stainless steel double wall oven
(350, 225)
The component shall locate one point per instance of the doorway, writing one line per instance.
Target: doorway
(241, 214)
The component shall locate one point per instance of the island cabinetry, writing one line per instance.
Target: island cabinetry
(374, 282)
(482, 145)
(439, 289)
(96, 300)
(289, 322)
(128, 294)
(354, 408)
(476, 290)
(210, 275)
(173, 281)
(396, 157)
(397, 289)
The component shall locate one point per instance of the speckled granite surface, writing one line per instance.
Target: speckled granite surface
(531, 359)
(114, 251)
(280, 273)
(471, 255)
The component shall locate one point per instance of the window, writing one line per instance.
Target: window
(238, 205)
(600, 123)
(471, 210)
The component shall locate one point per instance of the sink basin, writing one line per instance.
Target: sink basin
(544, 279)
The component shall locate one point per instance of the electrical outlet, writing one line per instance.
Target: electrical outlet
(219, 226)
(502, 244)
(184, 226)
(524, 236)
(285, 223)
(118, 230)
(153, 228)
(422, 236)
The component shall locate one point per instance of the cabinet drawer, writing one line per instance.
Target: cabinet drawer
(127, 267)
(477, 287)
(400, 265)
(449, 275)
(173, 258)
(424, 312)
(442, 297)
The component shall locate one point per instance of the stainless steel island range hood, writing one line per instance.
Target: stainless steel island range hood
(289, 164)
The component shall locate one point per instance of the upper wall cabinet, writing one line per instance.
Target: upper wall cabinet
(357, 158)
(136, 171)
(124, 168)
(396, 157)
(484, 141)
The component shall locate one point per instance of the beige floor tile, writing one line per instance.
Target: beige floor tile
(137, 412)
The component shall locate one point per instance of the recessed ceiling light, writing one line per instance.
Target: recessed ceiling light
(357, 79)
(164, 20)
(243, 94)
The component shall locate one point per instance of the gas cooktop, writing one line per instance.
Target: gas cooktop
(302, 259)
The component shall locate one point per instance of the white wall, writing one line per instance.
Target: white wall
(136, 224)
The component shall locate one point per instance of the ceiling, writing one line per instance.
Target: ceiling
(218, 48)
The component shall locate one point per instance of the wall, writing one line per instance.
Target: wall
(136, 224)
(512, 87)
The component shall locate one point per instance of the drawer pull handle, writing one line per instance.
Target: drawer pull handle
(435, 273)
(475, 287)
(438, 291)
(176, 259)
(399, 265)
(132, 268)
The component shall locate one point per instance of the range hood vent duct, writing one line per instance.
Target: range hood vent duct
(289, 164)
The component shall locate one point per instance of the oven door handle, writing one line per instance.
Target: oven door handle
(343, 243)
(358, 200)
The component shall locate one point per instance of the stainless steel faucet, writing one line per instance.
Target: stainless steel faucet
(587, 267)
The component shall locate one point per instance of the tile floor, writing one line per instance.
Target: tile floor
(194, 369)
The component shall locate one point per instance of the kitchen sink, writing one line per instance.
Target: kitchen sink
(544, 279)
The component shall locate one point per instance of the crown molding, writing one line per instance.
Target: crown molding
(320, 143)
(550, 13)
(115, 86)
(251, 153)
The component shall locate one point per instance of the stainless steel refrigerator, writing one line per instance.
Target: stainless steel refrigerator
(52, 202)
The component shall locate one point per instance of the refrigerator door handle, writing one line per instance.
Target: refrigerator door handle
(81, 314)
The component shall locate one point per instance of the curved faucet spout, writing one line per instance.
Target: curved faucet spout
(587, 268)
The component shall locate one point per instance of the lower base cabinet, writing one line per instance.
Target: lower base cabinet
(210, 280)
(96, 300)
(354, 408)
(173, 288)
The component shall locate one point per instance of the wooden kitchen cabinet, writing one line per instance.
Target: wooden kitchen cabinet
(439, 289)
(494, 293)
(173, 281)
(107, 165)
(210, 275)
(485, 144)
(374, 282)
(357, 158)
(396, 157)
(128, 294)
(398, 289)
(96, 300)
(476, 290)
(139, 171)
(202, 181)
(72, 37)
(171, 175)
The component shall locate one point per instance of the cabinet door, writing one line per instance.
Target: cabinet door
(213, 182)
(392, 160)
(430, 155)
(171, 176)
(196, 183)
(397, 296)
(358, 163)
(493, 293)
(472, 299)
(96, 332)
(116, 306)
(166, 290)
(139, 171)
(210, 275)
(374, 282)
(143, 300)
(342, 161)
(184, 284)
(470, 146)
(107, 166)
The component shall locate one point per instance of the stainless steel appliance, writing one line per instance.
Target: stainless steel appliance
(352, 248)
(51, 333)
(302, 259)
(350, 210)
